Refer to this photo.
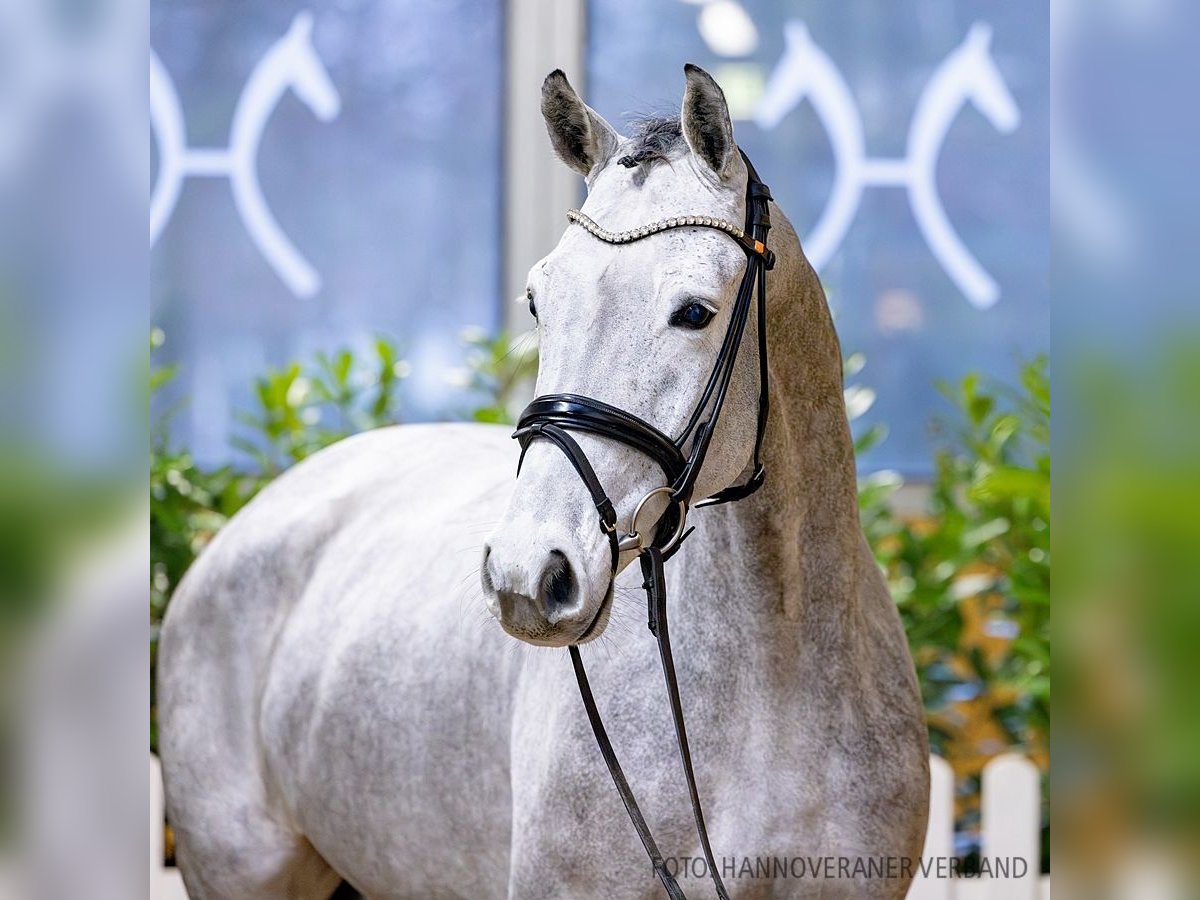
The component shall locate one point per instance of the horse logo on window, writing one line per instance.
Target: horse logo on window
(290, 64)
(968, 74)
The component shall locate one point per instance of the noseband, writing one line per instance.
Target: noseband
(553, 417)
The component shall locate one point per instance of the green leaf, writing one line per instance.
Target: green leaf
(161, 376)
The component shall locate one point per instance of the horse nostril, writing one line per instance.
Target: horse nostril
(485, 573)
(557, 587)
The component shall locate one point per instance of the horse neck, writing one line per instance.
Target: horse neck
(797, 542)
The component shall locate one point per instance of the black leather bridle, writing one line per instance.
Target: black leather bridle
(553, 417)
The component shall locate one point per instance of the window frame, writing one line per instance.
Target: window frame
(537, 189)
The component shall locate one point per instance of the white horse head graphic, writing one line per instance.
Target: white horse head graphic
(291, 64)
(968, 74)
(974, 69)
(307, 74)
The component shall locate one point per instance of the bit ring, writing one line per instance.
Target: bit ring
(633, 540)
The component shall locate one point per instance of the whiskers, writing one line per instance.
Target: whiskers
(518, 351)
(622, 626)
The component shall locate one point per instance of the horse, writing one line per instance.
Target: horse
(292, 64)
(969, 74)
(337, 702)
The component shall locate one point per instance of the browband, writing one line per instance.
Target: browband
(749, 244)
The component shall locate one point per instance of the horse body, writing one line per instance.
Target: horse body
(394, 735)
(336, 703)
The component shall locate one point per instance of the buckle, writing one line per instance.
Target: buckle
(608, 515)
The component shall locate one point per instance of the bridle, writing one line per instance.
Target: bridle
(553, 417)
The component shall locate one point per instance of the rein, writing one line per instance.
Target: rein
(553, 417)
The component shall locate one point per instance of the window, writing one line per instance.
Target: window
(321, 174)
(908, 143)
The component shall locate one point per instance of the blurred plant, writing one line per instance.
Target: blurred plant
(971, 577)
(1127, 614)
(300, 410)
(303, 409)
(188, 505)
(502, 370)
(875, 491)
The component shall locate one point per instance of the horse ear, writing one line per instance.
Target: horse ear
(705, 121)
(581, 137)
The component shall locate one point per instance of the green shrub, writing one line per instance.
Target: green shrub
(986, 537)
(501, 371)
(971, 576)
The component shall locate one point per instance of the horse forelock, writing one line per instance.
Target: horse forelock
(652, 138)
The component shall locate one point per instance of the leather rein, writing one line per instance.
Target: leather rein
(553, 417)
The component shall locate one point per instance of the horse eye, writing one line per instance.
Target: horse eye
(529, 297)
(694, 316)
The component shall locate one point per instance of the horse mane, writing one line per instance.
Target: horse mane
(652, 138)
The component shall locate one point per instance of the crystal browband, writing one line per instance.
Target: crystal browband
(636, 234)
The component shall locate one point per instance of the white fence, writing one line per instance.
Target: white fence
(165, 883)
(1012, 815)
(1011, 822)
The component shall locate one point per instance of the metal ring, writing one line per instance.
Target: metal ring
(637, 511)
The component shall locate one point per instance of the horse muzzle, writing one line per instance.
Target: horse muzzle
(540, 591)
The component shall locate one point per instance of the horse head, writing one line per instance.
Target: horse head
(309, 77)
(976, 71)
(634, 325)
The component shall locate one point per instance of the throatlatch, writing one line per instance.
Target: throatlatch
(553, 416)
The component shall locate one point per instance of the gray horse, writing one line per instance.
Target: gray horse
(336, 703)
